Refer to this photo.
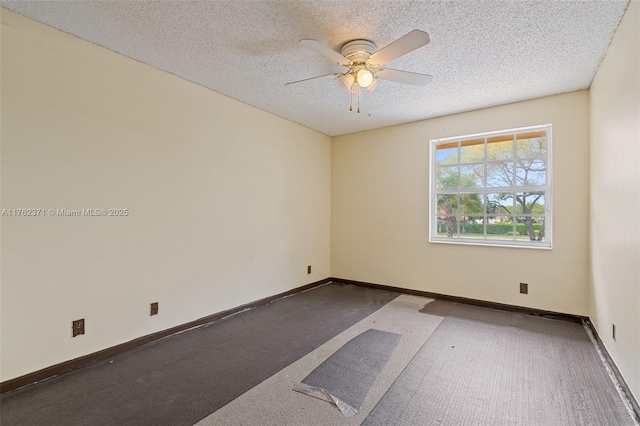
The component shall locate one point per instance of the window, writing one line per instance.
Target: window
(492, 188)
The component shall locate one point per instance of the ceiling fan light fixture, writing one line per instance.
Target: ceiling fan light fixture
(365, 78)
(345, 82)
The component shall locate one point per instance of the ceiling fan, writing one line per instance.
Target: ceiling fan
(365, 64)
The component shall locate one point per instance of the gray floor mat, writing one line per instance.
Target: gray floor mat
(351, 371)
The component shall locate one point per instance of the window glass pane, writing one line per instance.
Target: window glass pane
(532, 144)
(472, 176)
(500, 148)
(500, 227)
(500, 174)
(531, 173)
(499, 206)
(447, 153)
(447, 226)
(447, 204)
(447, 177)
(539, 222)
(471, 227)
(472, 151)
(530, 202)
(471, 204)
(529, 228)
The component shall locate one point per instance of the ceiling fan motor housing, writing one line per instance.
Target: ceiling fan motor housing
(358, 50)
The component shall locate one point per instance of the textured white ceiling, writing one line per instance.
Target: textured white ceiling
(482, 53)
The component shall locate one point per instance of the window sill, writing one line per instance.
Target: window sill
(486, 243)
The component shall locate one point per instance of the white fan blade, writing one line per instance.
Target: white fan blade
(325, 51)
(312, 80)
(405, 77)
(405, 44)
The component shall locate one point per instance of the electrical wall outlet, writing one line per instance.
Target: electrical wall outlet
(524, 288)
(77, 327)
(154, 308)
(309, 269)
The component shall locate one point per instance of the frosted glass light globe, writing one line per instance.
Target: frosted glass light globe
(365, 78)
(345, 82)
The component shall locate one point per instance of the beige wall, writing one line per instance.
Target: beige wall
(615, 194)
(380, 211)
(228, 204)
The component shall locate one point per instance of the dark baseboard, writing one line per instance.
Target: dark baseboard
(86, 360)
(483, 303)
(614, 369)
(519, 309)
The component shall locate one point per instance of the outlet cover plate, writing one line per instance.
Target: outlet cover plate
(613, 330)
(77, 327)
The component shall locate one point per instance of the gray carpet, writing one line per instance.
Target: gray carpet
(184, 378)
(350, 372)
(489, 367)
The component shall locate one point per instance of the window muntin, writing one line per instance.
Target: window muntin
(492, 188)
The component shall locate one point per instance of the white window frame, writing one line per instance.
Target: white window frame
(433, 194)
